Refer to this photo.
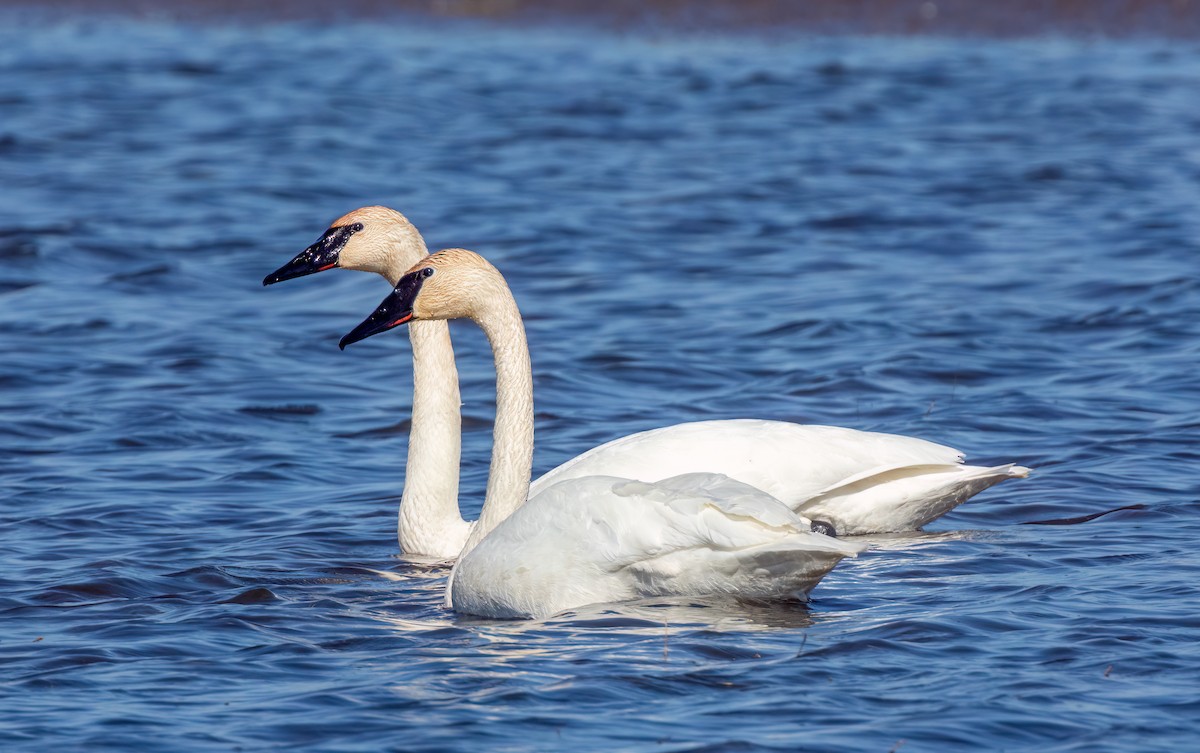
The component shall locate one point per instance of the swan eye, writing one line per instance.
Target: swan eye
(427, 272)
(356, 227)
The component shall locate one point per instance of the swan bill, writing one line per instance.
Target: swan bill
(318, 257)
(373, 325)
(395, 310)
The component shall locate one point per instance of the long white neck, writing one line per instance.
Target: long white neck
(430, 523)
(512, 435)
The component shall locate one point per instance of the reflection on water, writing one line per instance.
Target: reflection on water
(657, 616)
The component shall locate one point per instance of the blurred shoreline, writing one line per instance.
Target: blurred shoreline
(1174, 19)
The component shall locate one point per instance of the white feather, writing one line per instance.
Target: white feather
(860, 482)
(600, 539)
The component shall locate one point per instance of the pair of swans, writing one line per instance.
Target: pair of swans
(714, 507)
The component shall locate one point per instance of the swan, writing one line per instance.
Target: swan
(381, 240)
(601, 538)
(852, 482)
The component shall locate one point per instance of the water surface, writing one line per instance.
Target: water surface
(991, 244)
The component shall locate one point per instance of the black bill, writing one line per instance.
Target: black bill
(395, 310)
(318, 257)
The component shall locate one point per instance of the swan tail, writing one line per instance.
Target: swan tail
(904, 498)
(788, 569)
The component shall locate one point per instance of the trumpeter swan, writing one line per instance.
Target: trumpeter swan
(855, 482)
(601, 538)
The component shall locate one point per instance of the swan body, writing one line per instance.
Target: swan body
(602, 539)
(857, 482)
(594, 538)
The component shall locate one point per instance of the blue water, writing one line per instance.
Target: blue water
(990, 244)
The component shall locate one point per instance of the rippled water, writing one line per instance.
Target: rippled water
(990, 244)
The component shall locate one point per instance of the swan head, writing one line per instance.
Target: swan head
(452, 284)
(369, 239)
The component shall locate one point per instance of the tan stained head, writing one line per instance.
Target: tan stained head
(451, 284)
(463, 285)
(388, 243)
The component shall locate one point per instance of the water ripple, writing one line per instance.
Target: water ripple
(986, 243)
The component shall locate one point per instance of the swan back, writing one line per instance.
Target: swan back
(859, 482)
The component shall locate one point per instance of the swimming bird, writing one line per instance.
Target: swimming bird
(381, 240)
(851, 482)
(596, 538)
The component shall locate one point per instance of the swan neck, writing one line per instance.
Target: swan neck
(430, 523)
(512, 435)
(395, 265)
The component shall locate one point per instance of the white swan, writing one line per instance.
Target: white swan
(381, 240)
(593, 539)
(848, 482)
(854, 482)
